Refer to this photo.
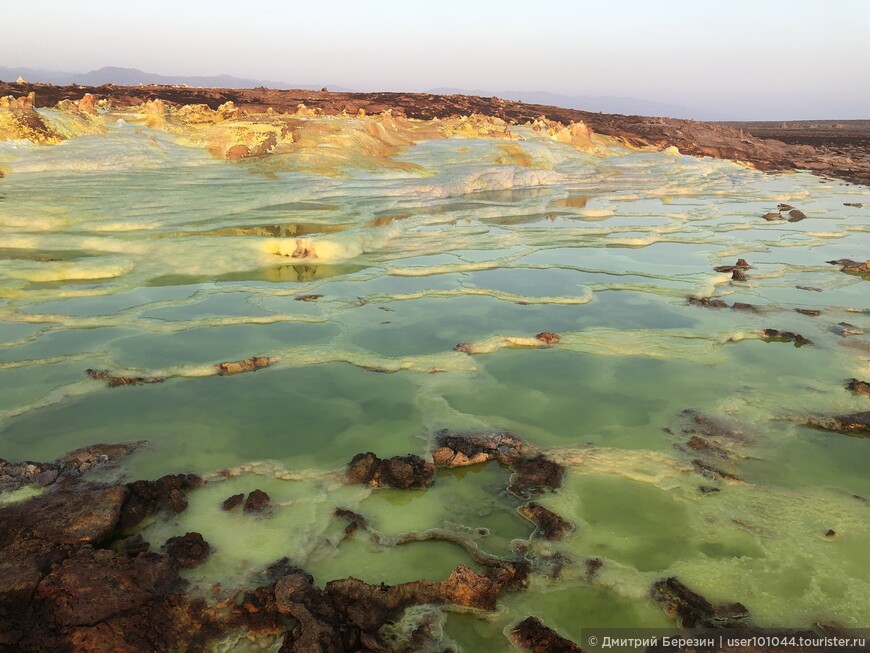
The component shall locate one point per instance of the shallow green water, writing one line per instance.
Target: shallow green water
(129, 252)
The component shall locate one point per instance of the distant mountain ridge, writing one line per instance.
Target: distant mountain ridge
(134, 77)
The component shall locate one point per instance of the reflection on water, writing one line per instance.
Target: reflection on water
(395, 267)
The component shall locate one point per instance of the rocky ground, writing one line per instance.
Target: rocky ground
(76, 576)
(846, 142)
(836, 151)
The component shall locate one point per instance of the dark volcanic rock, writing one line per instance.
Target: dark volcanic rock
(740, 265)
(773, 335)
(697, 443)
(114, 381)
(536, 475)
(808, 311)
(548, 338)
(356, 520)
(319, 625)
(68, 470)
(861, 268)
(17, 475)
(233, 502)
(738, 275)
(713, 443)
(693, 610)
(133, 546)
(550, 525)
(712, 471)
(859, 387)
(68, 583)
(46, 478)
(60, 593)
(65, 517)
(98, 456)
(532, 473)
(845, 330)
(251, 364)
(101, 601)
(741, 306)
(23, 564)
(855, 424)
(348, 614)
(94, 585)
(593, 566)
(281, 568)
(257, 501)
(460, 449)
(463, 587)
(189, 550)
(150, 497)
(533, 635)
(403, 472)
(708, 302)
(796, 216)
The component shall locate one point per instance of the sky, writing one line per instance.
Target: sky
(750, 59)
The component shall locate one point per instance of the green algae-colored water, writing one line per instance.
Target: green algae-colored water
(131, 253)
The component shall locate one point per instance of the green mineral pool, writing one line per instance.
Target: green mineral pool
(131, 252)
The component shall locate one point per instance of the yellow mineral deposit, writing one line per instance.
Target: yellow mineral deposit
(305, 140)
(20, 121)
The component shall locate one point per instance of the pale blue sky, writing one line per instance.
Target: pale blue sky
(762, 58)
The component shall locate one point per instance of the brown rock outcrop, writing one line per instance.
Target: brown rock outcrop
(548, 338)
(740, 265)
(347, 614)
(693, 610)
(460, 449)
(65, 517)
(708, 302)
(233, 502)
(251, 364)
(533, 635)
(114, 381)
(550, 525)
(188, 550)
(858, 387)
(150, 497)
(536, 474)
(533, 472)
(68, 469)
(59, 592)
(857, 424)
(773, 335)
(847, 265)
(257, 501)
(402, 472)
